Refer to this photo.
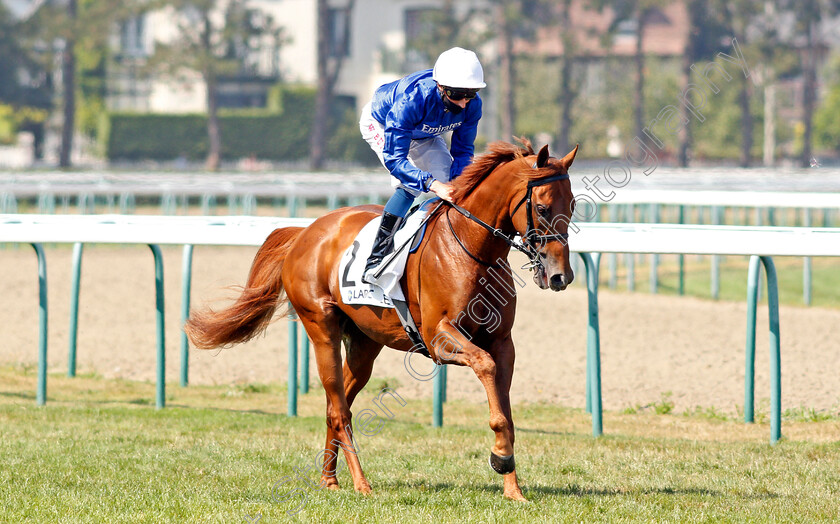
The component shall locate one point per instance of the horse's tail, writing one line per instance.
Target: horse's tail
(250, 315)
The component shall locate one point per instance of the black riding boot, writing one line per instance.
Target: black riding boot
(384, 243)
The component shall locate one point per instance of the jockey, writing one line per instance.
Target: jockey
(404, 124)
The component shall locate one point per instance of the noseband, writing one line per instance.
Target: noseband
(531, 239)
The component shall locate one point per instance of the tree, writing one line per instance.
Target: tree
(567, 92)
(25, 89)
(638, 13)
(738, 18)
(826, 123)
(68, 79)
(213, 49)
(471, 27)
(443, 28)
(704, 35)
(516, 20)
(57, 21)
(523, 21)
(81, 26)
(333, 42)
(808, 15)
(507, 73)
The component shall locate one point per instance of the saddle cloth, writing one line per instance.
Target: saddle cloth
(353, 290)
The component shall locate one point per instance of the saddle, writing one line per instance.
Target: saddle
(390, 271)
(388, 292)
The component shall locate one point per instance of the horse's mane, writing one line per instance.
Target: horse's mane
(498, 153)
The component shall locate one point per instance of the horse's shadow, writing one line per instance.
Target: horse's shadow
(141, 401)
(27, 396)
(574, 490)
(544, 431)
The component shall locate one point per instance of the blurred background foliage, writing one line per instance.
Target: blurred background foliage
(580, 94)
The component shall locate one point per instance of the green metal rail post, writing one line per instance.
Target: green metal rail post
(654, 258)
(78, 248)
(292, 204)
(630, 258)
(304, 365)
(445, 373)
(127, 203)
(293, 351)
(612, 258)
(806, 266)
(160, 399)
(593, 344)
(438, 386)
(775, 349)
(249, 204)
(41, 392)
(186, 285)
(715, 276)
(160, 394)
(681, 256)
(208, 204)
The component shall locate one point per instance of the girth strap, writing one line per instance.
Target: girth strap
(410, 327)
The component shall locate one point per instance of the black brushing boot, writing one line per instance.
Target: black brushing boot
(384, 243)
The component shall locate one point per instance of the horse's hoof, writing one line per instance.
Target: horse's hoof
(329, 483)
(364, 489)
(502, 465)
(517, 496)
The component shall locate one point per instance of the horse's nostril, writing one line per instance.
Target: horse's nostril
(558, 280)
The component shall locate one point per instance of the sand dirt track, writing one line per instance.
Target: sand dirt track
(650, 344)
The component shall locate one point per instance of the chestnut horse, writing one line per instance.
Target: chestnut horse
(463, 244)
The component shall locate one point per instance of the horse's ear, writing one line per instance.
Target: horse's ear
(542, 156)
(567, 160)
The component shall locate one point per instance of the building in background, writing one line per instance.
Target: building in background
(380, 44)
(375, 53)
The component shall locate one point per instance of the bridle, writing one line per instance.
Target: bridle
(530, 240)
(531, 234)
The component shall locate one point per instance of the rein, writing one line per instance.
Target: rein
(498, 233)
(531, 237)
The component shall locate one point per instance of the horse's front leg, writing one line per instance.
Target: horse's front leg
(495, 374)
(504, 357)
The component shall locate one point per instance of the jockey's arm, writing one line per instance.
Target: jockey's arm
(399, 123)
(463, 139)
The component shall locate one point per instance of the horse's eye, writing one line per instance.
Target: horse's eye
(542, 210)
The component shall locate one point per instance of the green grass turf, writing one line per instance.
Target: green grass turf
(100, 452)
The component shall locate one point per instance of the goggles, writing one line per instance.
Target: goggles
(459, 94)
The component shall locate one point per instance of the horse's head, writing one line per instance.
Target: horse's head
(541, 213)
(529, 193)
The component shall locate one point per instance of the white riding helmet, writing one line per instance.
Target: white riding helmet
(459, 67)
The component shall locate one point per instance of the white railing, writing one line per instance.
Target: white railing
(130, 229)
(760, 243)
(706, 240)
(140, 229)
(763, 199)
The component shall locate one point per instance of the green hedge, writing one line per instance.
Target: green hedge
(278, 133)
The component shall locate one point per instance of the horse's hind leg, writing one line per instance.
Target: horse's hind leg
(325, 331)
(358, 366)
(361, 352)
